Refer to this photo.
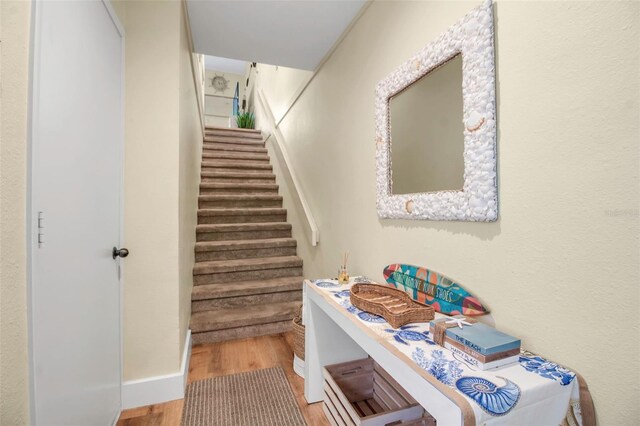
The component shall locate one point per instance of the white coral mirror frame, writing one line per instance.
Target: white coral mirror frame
(472, 37)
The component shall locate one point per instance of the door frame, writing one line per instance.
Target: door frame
(32, 215)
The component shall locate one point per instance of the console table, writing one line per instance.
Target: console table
(536, 390)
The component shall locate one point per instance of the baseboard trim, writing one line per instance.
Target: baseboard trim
(298, 366)
(158, 389)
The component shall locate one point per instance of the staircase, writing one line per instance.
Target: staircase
(247, 279)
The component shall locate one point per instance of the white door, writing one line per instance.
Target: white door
(76, 206)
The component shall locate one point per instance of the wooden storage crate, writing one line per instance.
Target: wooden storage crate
(361, 393)
(426, 420)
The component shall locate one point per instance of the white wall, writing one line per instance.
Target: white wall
(14, 68)
(560, 266)
(218, 105)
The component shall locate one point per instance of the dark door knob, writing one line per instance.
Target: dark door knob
(123, 252)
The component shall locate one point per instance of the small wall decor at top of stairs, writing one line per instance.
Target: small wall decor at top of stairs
(247, 278)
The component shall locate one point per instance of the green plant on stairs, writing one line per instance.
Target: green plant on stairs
(245, 120)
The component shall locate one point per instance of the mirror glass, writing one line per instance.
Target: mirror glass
(427, 132)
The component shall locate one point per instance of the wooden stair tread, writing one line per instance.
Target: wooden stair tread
(232, 185)
(243, 211)
(244, 244)
(227, 227)
(232, 197)
(237, 265)
(214, 147)
(239, 174)
(236, 156)
(233, 164)
(233, 130)
(221, 319)
(246, 288)
(246, 141)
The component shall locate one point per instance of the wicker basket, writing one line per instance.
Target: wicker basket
(393, 305)
(298, 334)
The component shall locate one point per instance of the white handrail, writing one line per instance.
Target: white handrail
(277, 137)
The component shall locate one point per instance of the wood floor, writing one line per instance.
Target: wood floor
(219, 359)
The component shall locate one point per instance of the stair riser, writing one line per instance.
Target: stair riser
(234, 141)
(225, 147)
(244, 301)
(239, 169)
(248, 157)
(204, 256)
(238, 191)
(238, 180)
(227, 277)
(235, 164)
(238, 203)
(221, 291)
(246, 235)
(241, 218)
(232, 133)
(242, 332)
(245, 178)
(248, 136)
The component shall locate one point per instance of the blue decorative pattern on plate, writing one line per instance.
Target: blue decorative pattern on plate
(325, 284)
(362, 279)
(546, 369)
(341, 294)
(364, 316)
(444, 370)
(405, 333)
(493, 399)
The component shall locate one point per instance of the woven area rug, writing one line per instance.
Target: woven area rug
(255, 398)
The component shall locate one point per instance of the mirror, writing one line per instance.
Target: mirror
(436, 128)
(427, 133)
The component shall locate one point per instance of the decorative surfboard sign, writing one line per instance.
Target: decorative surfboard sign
(432, 288)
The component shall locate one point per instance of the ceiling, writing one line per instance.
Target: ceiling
(217, 63)
(292, 33)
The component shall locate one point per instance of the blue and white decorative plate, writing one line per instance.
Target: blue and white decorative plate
(325, 284)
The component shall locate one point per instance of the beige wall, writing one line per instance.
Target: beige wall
(190, 138)
(151, 189)
(163, 133)
(14, 70)
(281, 85)
(561, 263)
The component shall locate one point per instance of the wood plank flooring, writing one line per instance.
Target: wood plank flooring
(231, 357)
